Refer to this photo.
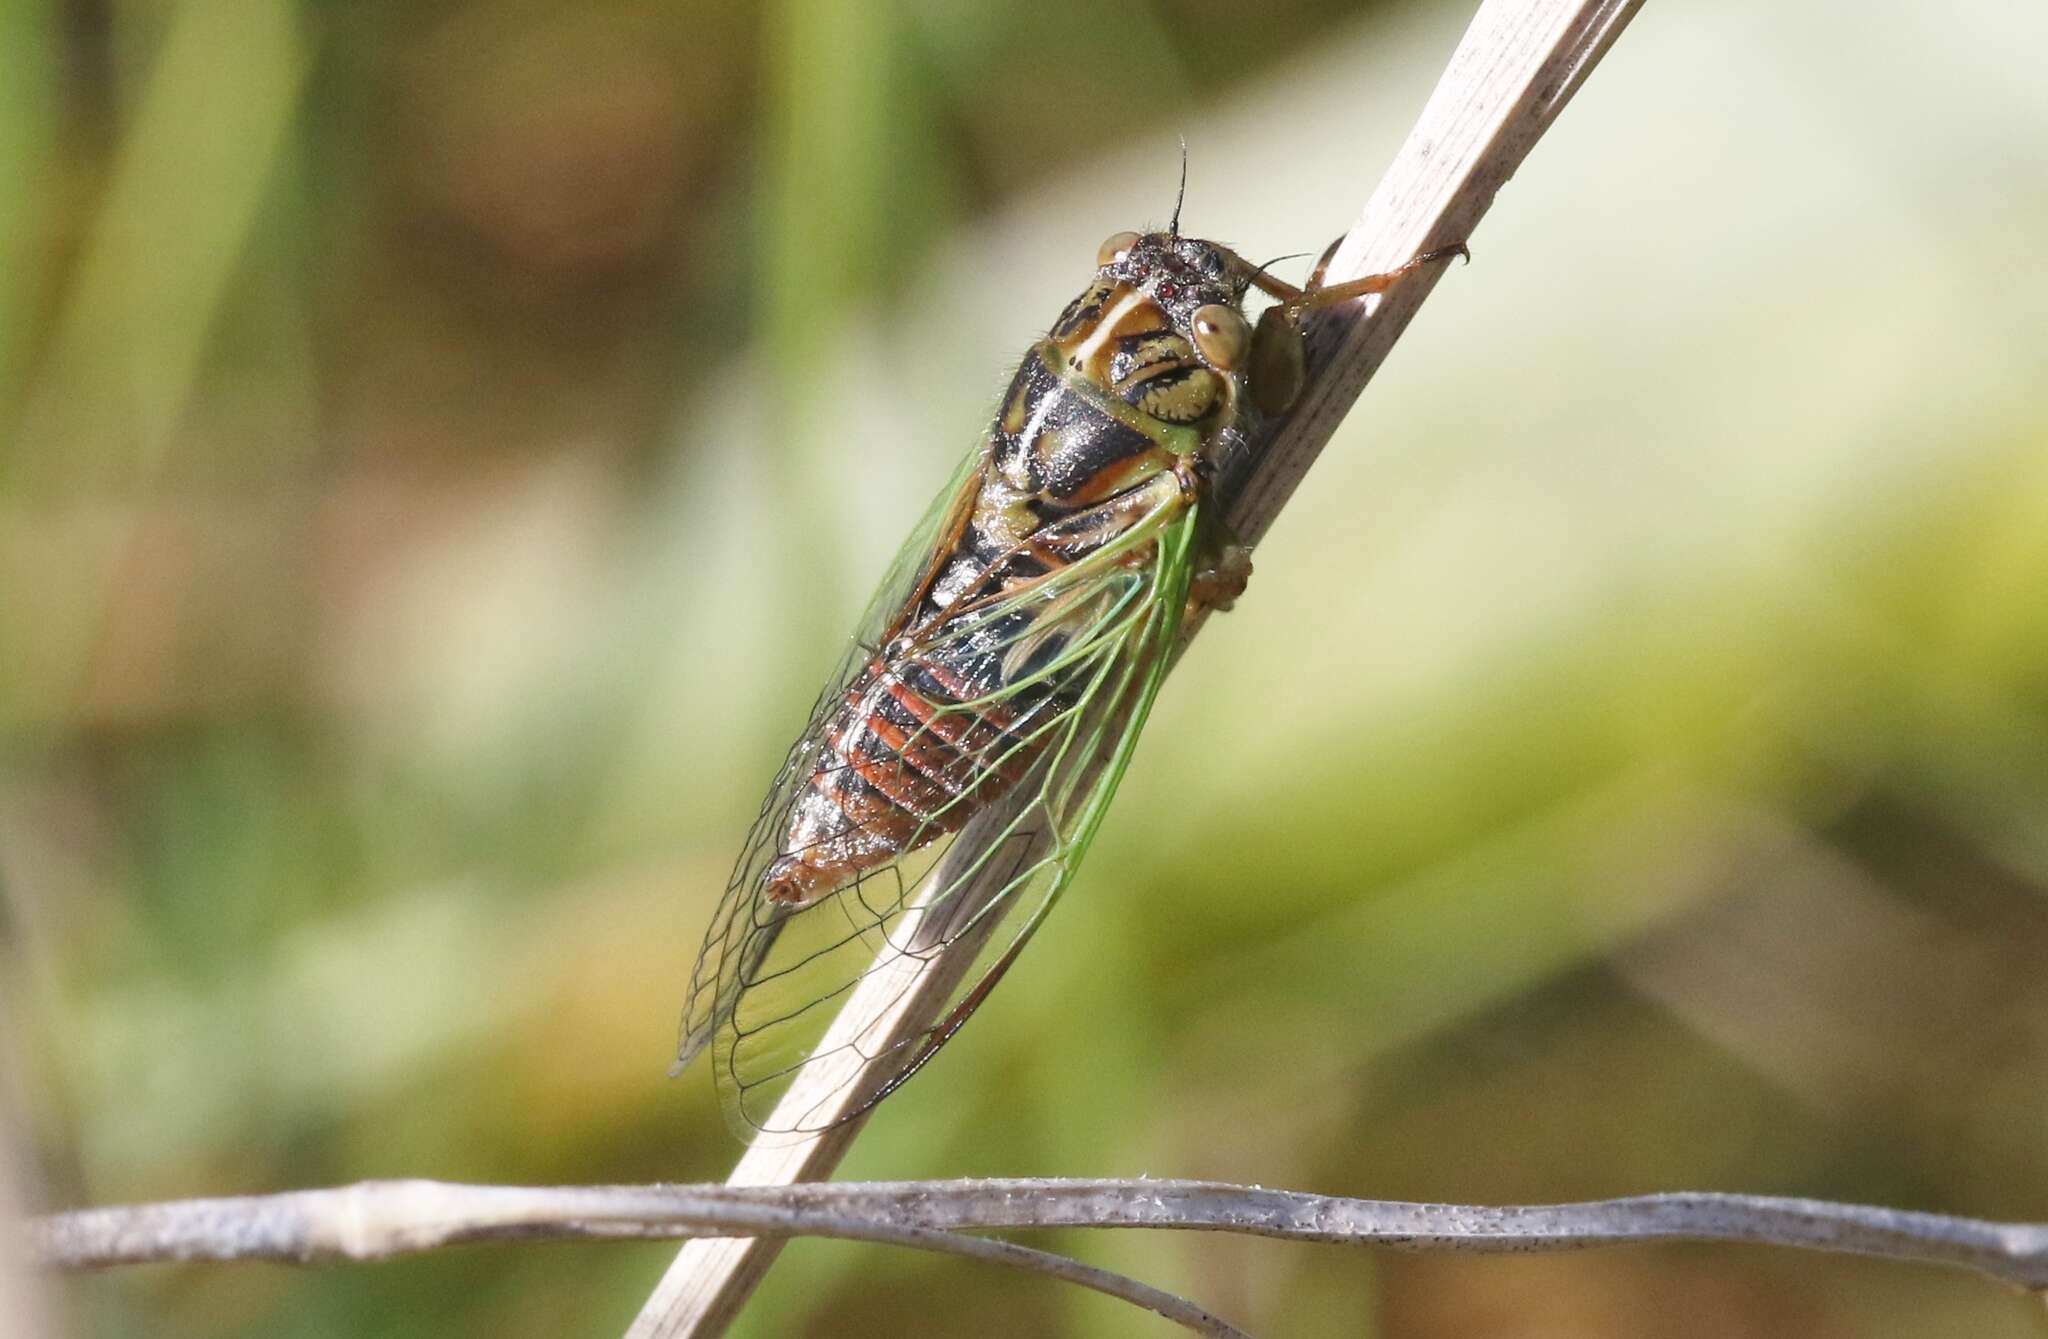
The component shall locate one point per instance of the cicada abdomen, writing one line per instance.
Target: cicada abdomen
(1011, 657)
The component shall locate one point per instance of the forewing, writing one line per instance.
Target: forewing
(1093, 642)
(733, 946)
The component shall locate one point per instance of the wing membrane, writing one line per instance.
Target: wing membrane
(1085, 647)
(733, 946)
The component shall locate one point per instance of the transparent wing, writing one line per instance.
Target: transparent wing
(1091, 641)
(910, 572)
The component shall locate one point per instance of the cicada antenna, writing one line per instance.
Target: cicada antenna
(1182, 194)
(1260, 272)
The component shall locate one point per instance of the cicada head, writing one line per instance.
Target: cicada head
(1162, 327)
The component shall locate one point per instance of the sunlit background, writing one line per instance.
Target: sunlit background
(441, 446)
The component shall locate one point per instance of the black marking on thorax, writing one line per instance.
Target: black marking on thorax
(1053, 439)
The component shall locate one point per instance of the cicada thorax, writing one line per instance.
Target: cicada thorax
(1098, 432)
(1124, 342)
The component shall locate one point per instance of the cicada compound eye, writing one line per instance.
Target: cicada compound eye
(1115, 249)
(1221, 335)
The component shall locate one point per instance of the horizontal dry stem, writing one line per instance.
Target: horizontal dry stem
(376, 1220)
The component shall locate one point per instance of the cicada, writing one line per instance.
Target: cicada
(1001, 676)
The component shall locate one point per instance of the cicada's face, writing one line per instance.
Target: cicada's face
(1179, 274)
(1162, 327)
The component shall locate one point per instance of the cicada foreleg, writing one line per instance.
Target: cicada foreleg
(1319, 294)
(1277, 366)
(1294, 301)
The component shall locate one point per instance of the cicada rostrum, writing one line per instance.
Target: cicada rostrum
(1004, 669)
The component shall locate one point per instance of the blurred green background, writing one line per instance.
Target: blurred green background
(441, 445)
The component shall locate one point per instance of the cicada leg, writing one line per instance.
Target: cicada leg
(1220, 578)
(1223, 565)
(1296, 300)
(1278, 363)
